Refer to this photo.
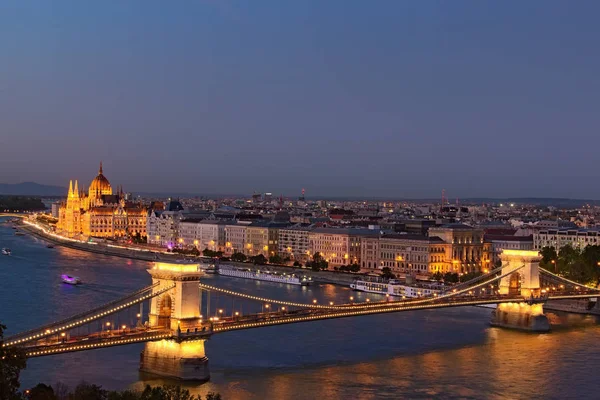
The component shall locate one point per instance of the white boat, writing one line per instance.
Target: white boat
(70, 280)
(395, 287)
(268, 276)
(6, 251)
(208, 268)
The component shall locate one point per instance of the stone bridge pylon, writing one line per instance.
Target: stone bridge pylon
(525, 281)
(178, 310)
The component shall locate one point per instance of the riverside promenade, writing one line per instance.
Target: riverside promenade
(150, 254)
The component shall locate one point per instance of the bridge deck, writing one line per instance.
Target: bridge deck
(98, 340)
(54, 345)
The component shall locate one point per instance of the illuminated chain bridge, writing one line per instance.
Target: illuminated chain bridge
(175, 330)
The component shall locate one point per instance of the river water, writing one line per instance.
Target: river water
(450, 353)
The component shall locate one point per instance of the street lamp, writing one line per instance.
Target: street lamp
(555, 266)
(315, 301)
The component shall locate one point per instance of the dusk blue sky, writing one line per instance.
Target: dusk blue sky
(346, 98)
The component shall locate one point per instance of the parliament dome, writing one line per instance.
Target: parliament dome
(100, 185)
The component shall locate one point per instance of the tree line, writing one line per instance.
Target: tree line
(21, 203)
(581, 265)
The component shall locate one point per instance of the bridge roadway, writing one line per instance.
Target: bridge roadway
(56, 345)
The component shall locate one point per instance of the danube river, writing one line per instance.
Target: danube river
(450, 353)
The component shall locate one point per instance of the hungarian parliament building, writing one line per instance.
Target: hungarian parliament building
(100, 212)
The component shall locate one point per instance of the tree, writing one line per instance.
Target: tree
(297, 263)
(317, 263)
(450, 277)
(386, 273)
(237, 256)
(438, 276)
(354, 267)
(12, 361)
(259, 259)
(276, 259)
(41, 392)
(86, 391)
(549, 256)
(167, 392)
(210, 253)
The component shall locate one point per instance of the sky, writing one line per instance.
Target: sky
(343, 98)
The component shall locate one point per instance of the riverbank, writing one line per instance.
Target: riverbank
(331, 277)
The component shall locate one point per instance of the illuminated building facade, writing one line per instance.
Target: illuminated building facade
(463, 248)
(99, 212)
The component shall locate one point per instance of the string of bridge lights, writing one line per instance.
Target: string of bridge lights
(563, 279)
(113, 310)
(381, 309)
(80, 347)
(80, 315)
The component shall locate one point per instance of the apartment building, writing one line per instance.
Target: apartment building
(294, 242)
(162, 228)
(339, 246)
(257, 239)
(559, 237)
(235, 238)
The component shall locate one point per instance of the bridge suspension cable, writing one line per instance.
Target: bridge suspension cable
(81, 319)
(472, 288)
(477, 278)
(81, 315)
(358, 305)
(265, 300)
(565, 280)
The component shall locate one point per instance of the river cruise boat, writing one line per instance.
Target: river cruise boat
(6, 251)
(269, 276)
(19, 233)
(396, 287)
(70, 280)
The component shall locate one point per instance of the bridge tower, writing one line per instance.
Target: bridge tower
(178, 310)
(523, 281)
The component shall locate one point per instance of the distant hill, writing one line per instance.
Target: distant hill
(32, 189)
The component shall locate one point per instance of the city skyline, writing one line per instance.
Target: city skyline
(481, 99)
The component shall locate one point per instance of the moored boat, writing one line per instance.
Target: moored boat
(6, 251)
(395, 287)
(267, 276)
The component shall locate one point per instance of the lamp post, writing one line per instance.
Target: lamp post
(555, 266)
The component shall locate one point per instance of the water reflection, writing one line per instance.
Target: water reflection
(449, 353)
